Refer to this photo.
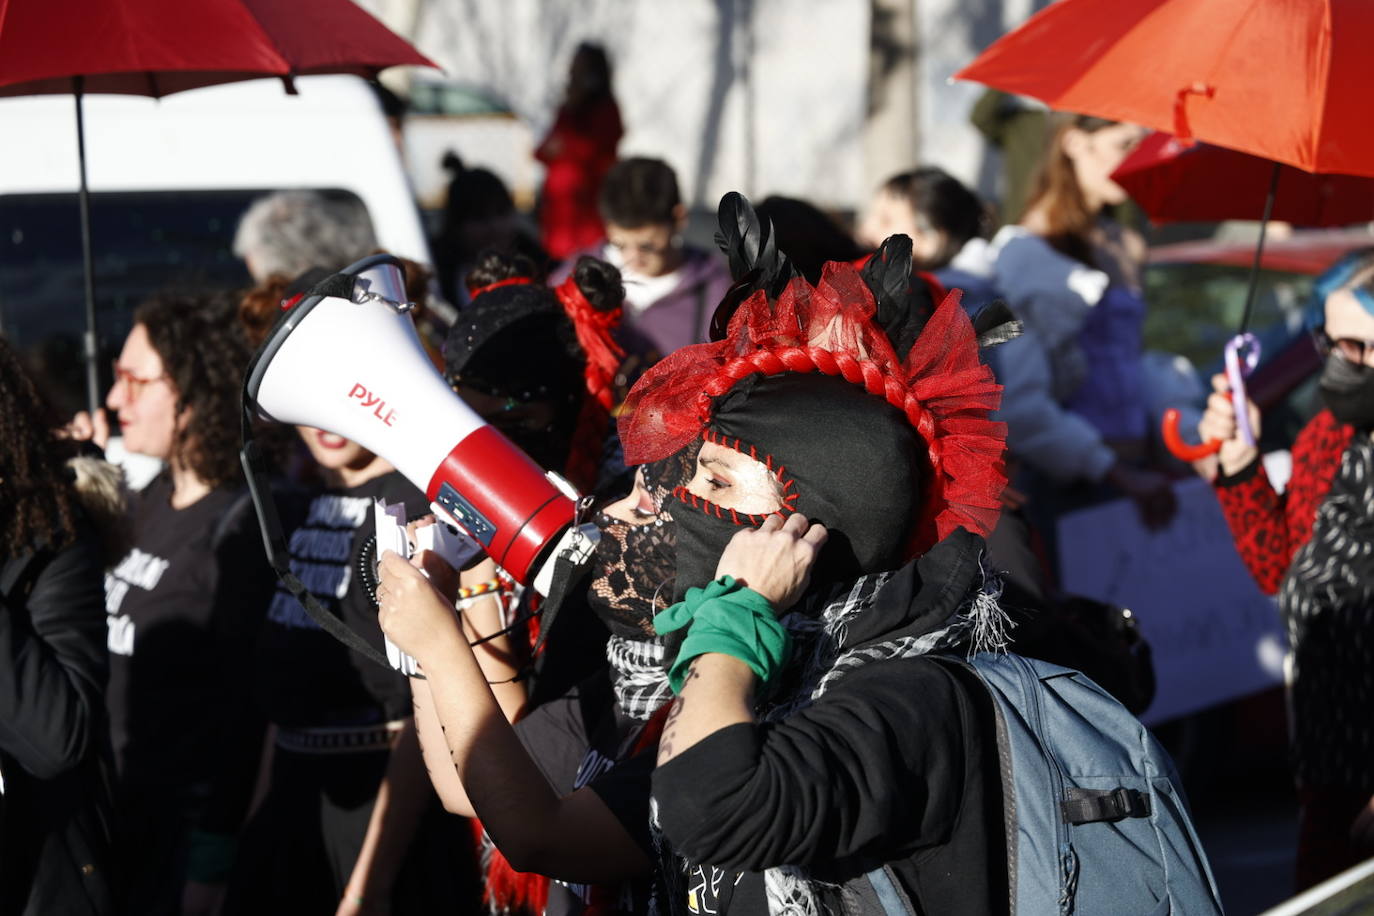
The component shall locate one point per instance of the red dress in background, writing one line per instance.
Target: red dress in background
(577, 153)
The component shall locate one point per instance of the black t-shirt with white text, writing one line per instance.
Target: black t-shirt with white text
(182, 607)
(304, 676)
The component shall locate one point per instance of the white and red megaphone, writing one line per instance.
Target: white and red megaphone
(345, 357)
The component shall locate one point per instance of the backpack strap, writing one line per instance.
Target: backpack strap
(225, 523)
(890, 896)
(1087, 806)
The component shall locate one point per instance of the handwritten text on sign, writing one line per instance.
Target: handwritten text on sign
(1214, 634)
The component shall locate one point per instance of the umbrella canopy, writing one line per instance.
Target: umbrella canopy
(1176, 181)
(157, 47)
(1283, 80)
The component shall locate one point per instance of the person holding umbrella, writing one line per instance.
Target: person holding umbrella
(1312, 545)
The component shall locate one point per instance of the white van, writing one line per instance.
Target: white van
(169, 180)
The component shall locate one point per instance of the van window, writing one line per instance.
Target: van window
(141, 243)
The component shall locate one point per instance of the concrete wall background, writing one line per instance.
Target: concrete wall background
(820, 99)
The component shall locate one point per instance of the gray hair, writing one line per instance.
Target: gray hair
(289, 232)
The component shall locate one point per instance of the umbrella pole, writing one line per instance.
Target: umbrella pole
(1259, 251)
(88, 268)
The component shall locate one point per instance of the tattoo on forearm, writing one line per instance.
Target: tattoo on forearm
(665, 744)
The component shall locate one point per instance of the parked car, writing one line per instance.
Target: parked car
(169, 180)
(1196, 293)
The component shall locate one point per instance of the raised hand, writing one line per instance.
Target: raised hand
(1219, 422)
(411, 610)
(774, 559)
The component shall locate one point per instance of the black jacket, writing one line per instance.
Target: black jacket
(895, 765)
(54, 744)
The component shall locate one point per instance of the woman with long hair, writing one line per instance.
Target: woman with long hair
(183, 605)
(1075, 401)
(55, 804)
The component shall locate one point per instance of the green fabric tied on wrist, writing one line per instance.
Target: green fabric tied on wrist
(727, 618)
(210, 856)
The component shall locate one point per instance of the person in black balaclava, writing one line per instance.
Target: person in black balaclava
(517, 357)
(1312, 544)
(828, 542)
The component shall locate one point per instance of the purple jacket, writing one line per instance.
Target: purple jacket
(683, 316)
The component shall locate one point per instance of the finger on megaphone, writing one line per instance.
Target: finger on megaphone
(415, 525)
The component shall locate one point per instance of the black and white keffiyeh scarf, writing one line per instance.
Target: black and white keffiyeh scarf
(638, 676)
(825, 648)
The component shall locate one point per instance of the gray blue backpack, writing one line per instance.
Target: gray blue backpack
(1096, 819)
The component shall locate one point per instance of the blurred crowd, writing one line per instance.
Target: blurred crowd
(179, 736)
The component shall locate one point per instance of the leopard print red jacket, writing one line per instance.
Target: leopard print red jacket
(1270, 528)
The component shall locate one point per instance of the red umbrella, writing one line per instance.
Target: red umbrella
(157, 47)
(1283, 80)
(1176, 181)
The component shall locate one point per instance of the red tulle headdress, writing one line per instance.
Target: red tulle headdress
(939, 384)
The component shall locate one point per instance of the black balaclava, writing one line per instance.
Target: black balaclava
(843, 457)
(633, 566)
(516, 343)
(1347, 390)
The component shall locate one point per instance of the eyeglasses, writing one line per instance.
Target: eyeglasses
(136, 384)
(1351, 349)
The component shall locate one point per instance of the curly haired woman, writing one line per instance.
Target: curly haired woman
(183, 603)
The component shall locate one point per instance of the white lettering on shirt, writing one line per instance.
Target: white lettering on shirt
(138, 569)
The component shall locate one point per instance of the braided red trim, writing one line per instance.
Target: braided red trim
(815, 359)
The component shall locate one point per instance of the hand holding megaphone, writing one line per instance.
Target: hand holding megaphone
(345, 357)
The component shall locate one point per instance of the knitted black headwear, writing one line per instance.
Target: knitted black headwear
(516, 343)
(841, 458)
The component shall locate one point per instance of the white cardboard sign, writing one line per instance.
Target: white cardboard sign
(1215, 636)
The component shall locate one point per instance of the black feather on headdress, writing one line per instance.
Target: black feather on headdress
(755, 261)
(903, 300)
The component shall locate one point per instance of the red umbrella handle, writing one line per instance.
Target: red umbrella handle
(1174, 441)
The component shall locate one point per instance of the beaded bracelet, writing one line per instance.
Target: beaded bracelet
(481, 588)
(468, 596)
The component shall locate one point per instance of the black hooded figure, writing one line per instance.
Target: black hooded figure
(863, 407)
